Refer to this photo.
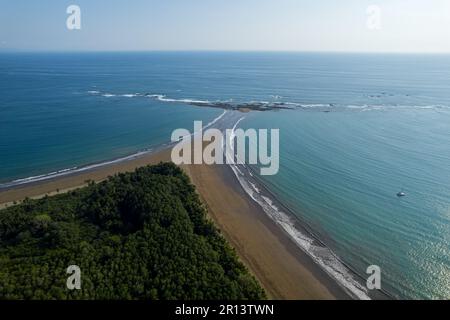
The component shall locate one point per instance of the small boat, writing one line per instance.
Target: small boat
(401, 194)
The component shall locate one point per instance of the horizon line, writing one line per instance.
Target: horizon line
(8, 50)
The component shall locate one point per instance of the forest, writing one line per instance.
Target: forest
(139, 235)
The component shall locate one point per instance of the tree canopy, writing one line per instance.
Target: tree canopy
(139, 235)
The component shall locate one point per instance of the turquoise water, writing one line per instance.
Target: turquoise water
(388, 130)
(49, 121)
(340, 173)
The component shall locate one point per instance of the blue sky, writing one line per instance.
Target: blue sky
(280, 25)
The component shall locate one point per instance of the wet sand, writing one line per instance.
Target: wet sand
(77, 180)
(282, 268)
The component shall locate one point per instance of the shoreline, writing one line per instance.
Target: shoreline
(77, 179)
(353, 281)
(283, 269)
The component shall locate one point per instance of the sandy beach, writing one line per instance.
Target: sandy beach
(282, 268)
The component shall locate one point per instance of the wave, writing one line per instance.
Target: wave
(110, 95)
(69, 171)
(223, 104)
(321, 254)
(230, 104)
(41, 177)
(73, 170)
(163, 98)
(275, 96)
(215, 120)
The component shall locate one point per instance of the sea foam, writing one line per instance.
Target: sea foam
(321, 254)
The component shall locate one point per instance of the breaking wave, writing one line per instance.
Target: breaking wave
(277, 104)
(309, 244)
(73, 170)
(70, 171)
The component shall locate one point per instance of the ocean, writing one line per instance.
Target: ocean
(362, 128)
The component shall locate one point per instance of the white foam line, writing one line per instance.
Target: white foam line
(215, 120)
(323, 256)
(195, 133)
(163, 98)
(64, 172)
(37, 178)
(365, 107)
(229, 156)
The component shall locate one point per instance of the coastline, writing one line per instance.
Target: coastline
(76, 180)
(285, 271)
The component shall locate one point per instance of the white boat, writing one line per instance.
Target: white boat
(401, 194)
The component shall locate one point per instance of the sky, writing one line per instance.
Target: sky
(235, 25)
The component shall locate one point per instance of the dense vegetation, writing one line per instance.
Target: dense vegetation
(141, 235)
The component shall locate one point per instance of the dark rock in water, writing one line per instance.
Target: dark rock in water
(249, 106)
(253, 106)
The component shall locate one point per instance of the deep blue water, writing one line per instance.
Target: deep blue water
(389, 130)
